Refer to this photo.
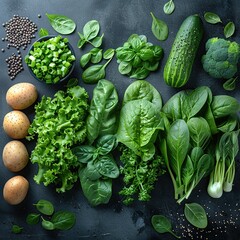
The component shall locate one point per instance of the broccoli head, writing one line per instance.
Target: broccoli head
(221, 58)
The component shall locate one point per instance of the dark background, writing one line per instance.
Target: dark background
(118, 20)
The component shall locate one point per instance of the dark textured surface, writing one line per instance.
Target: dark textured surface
(114, 221)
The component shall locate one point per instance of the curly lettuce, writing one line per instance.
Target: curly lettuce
(59, 123)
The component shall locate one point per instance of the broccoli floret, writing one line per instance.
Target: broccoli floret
(221, 58)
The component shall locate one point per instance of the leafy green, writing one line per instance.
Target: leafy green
(196, 215)
(159, 28)
(59, 123)
(63, 220)
(16, 229)
(45, 207)
(161, 224)
(230, 84)
(212, 18)
(33, 218)
(169, 7)
(229, 29)
(61, 24)
(43, 32)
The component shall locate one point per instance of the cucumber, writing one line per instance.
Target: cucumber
(179, 64)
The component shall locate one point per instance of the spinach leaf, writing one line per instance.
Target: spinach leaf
(43, 32)
(230, 84)
(94, 73)
(161, 224)
(139, 73)
(81, 41)
(107, 167)
(178, 142)
(228, 124)
(102, 118)
(91, 171)
(224, 105)
(33, 218)
(16, 229)
(96, 55)
(141, 89)
(61, 24)
(187, 172)
(229, 29)
(72, 82)
(91, 29)
(196, 215)
(109, 53)
(84, 153)
(48, 225)
(98, 191)
(85, 58)
(169, 7)
(106, 144)
(159, 28)
(205, 166)
(97, 41)
(212, 18)
(124, 67)
(63, 220)
(45, 207)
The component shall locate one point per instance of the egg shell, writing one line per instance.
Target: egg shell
(16, 124)
(15, 156)
(15, 190)
(21, 95)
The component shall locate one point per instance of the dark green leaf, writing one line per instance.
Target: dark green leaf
(63, 220)
(124, 67)
(85, 58)
(139, 73)
(109, 53)
(84, 153)
(169, 7)
(33, 218)
(229, 29)
(161, 224)
(81, 41)
(196, 215)
(61, 24)
(159, 28)
(91, 171)
(45, 207)
(94, 73)
(48, 225)
(97, 41)
(212, 18)
(16, 229)
(72, 82)
(106, 144)
(91, 29)
(43, 32)
(230, 84)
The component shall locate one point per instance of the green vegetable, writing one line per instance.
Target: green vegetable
(72, 82)
(33, 218)
(230, 84)
(229, 29)
(102, 118)
(221, 58)
(196, 215)
(162, 225)
(169, 7)
(61, 24)
(180, 60)
(212, 18)
(16, 229)
(137, 57)
(50, 60)
(45, 207)
(159, 28)
(63, 220)
(48, 225)
(59, 123)
(43, 32)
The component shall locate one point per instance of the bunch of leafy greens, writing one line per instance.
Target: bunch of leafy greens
(59, 123)
(51, 220)
(98, 166)
(139, 123)
(138, 57)
(192, 119)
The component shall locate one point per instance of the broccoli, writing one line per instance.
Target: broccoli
(221, 58)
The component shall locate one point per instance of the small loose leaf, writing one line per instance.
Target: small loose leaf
(159, 28)
(196, 215)
(72, 82)
(16, 229)
(45, 207)
(169, 7)
(230, 84)
(43, 32)
(229, 29)
(97, 41)
(33, 218)
(109, 53)
(212, 18)
(94, 73)
(85, 58)
(63, 220)
(91, 29)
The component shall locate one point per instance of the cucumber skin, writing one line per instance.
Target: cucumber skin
(179, 64)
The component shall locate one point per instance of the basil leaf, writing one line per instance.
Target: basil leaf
(159, 28)
(63, 220)
(161, 224)
(97, 41)
(45, 207)
(43, 32)
(169, 7)
(229, 29)
(230, 84)
(91, 29)
(61, 24)
(94, 73)
(109, 53)
(212, 18)
(196, 215)
(84, 153)
(32, 218)
(107, 167)
(85, 58)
